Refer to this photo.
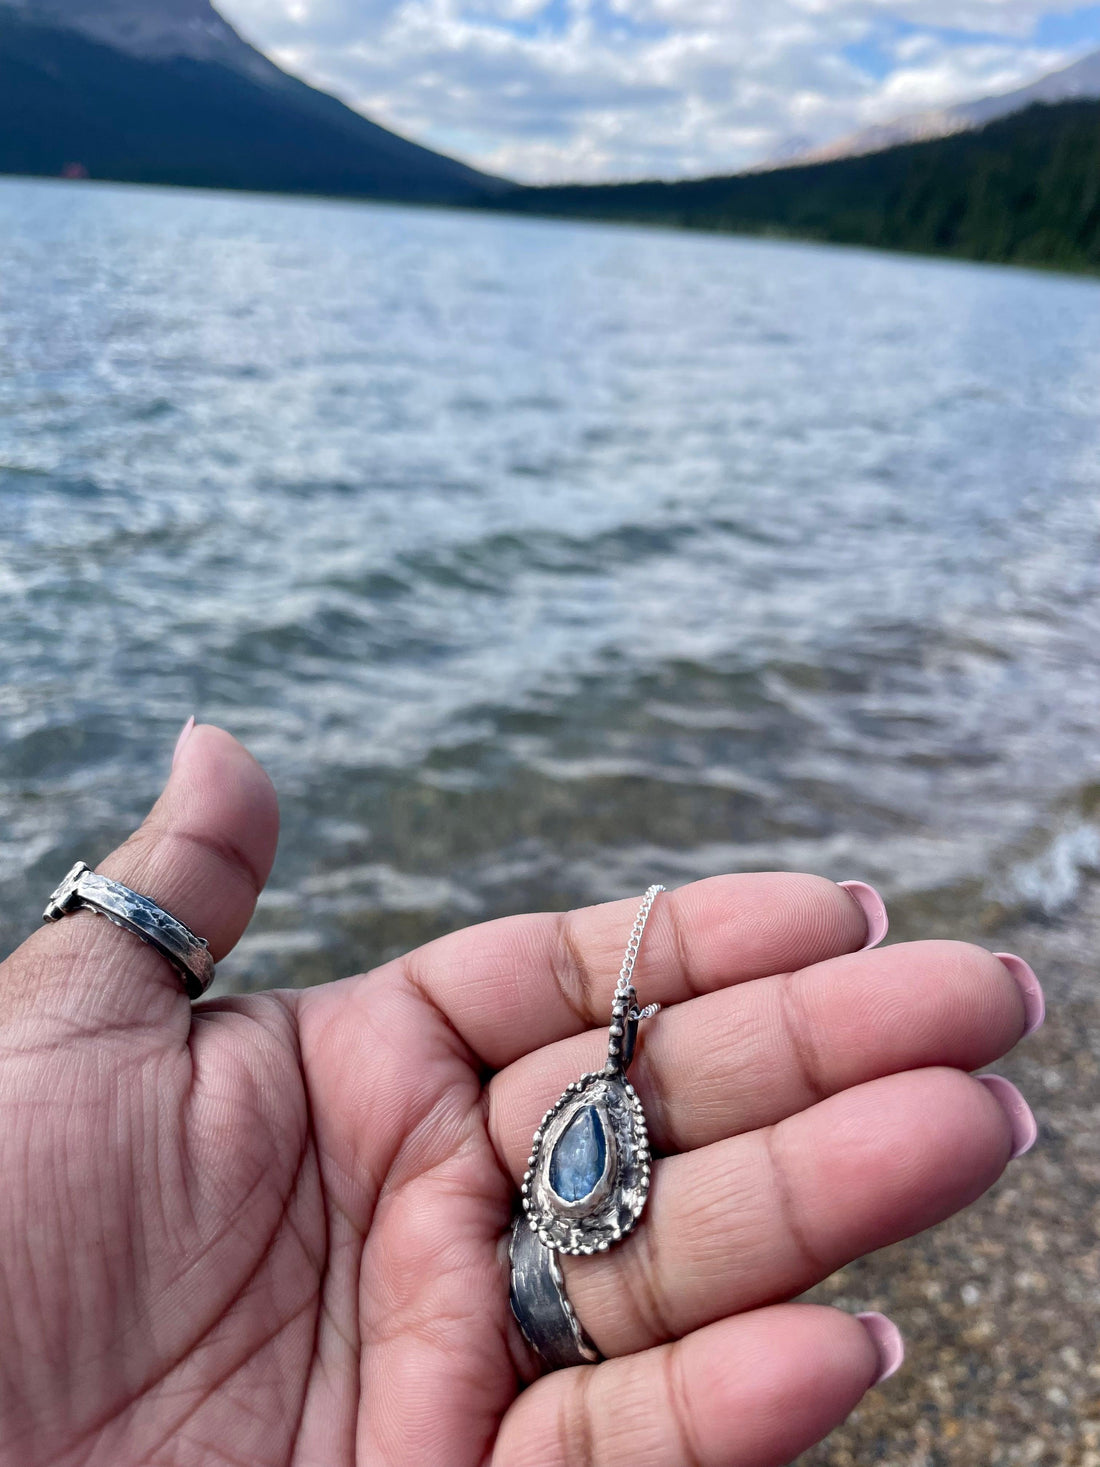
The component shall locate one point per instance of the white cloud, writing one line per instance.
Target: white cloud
(937, 75)
(553, 89)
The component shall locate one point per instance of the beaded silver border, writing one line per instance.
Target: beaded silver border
(609, 1215)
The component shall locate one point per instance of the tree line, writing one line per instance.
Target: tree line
(1022, 190)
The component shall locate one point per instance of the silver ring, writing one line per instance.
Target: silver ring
(188, 954)
(543, 1312)
(587, 1177)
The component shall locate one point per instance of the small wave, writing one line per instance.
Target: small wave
(1050, 883)
(490, 563)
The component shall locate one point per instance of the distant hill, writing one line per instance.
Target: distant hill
(1022, 190)
(166, 92)
(154, 30)
(1077, 82)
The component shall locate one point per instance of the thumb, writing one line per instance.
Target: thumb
(203, 853)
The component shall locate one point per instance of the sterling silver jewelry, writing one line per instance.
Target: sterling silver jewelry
(587, 1177)
(188, 954)
(540, 1305)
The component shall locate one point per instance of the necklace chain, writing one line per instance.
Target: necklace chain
(634, 943)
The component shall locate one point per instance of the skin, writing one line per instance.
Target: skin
(269, 1230)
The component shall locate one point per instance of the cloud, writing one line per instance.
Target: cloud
(594, 89)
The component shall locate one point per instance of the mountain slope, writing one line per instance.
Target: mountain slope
(152, 29)
(214, 113)
(1024, 190)
(1077, 82)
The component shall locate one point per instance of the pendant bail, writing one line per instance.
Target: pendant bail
(622, 1040)
(630, 1038)
(622, 1037)
(625, 1013)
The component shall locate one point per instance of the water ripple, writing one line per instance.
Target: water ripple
(540, 561)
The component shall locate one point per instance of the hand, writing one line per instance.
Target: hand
(271, 1230)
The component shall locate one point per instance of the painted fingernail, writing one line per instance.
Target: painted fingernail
(1035, 1005)
(1022, 1123)
(188, 730)
(874, 909)
(887, 1340)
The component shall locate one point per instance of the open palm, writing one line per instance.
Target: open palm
(271, 1231)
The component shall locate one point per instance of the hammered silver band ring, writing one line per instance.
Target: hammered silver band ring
(540, 1305)
(188, 954)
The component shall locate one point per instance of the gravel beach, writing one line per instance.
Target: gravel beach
(1000, 1307)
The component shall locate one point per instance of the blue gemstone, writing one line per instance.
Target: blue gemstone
(579, 1157)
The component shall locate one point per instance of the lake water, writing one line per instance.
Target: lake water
(539, 561)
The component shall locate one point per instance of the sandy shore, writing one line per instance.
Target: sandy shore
(1001, 1307)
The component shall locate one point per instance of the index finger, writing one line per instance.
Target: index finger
(510, 986)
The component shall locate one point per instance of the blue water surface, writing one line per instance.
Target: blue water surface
(539, 561)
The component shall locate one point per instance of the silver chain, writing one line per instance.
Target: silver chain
(626, 972)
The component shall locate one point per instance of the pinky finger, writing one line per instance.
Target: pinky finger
(754, 1390)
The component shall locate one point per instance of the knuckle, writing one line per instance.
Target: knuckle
(798, 1032)
(789, 1213)
(575, 1422)
(682, 1413)
(573, 974)
(648, 1290)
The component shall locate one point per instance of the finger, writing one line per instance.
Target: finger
(763, 1217)
(203, 854)
(754, 1391)
(749, 1056)
(516, 984)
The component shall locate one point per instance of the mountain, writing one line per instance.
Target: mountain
(166, 91)
(157, 31)
(1080, 81)
(1024, 189)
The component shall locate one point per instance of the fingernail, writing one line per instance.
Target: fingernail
(188, 729)
(887, 1341)
(874, 909)
(1022, 1123)
(1035, 1005)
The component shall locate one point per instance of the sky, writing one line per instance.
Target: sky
(548, 90)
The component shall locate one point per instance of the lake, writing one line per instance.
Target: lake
(539, 561)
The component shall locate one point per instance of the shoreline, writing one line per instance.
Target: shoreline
(999, 1306)
(770, 236)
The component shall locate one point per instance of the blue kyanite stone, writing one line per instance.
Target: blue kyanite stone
(579, 1157)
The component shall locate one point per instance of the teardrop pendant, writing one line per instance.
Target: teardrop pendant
(588, 1173)
(581, 1194)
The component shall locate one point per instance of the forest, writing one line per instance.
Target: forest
(1023, 190)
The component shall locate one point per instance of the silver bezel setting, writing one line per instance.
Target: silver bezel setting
(612, 1209)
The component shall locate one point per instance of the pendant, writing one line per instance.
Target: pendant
(588, 1173)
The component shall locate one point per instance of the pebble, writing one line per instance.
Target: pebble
(1000, 1307)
